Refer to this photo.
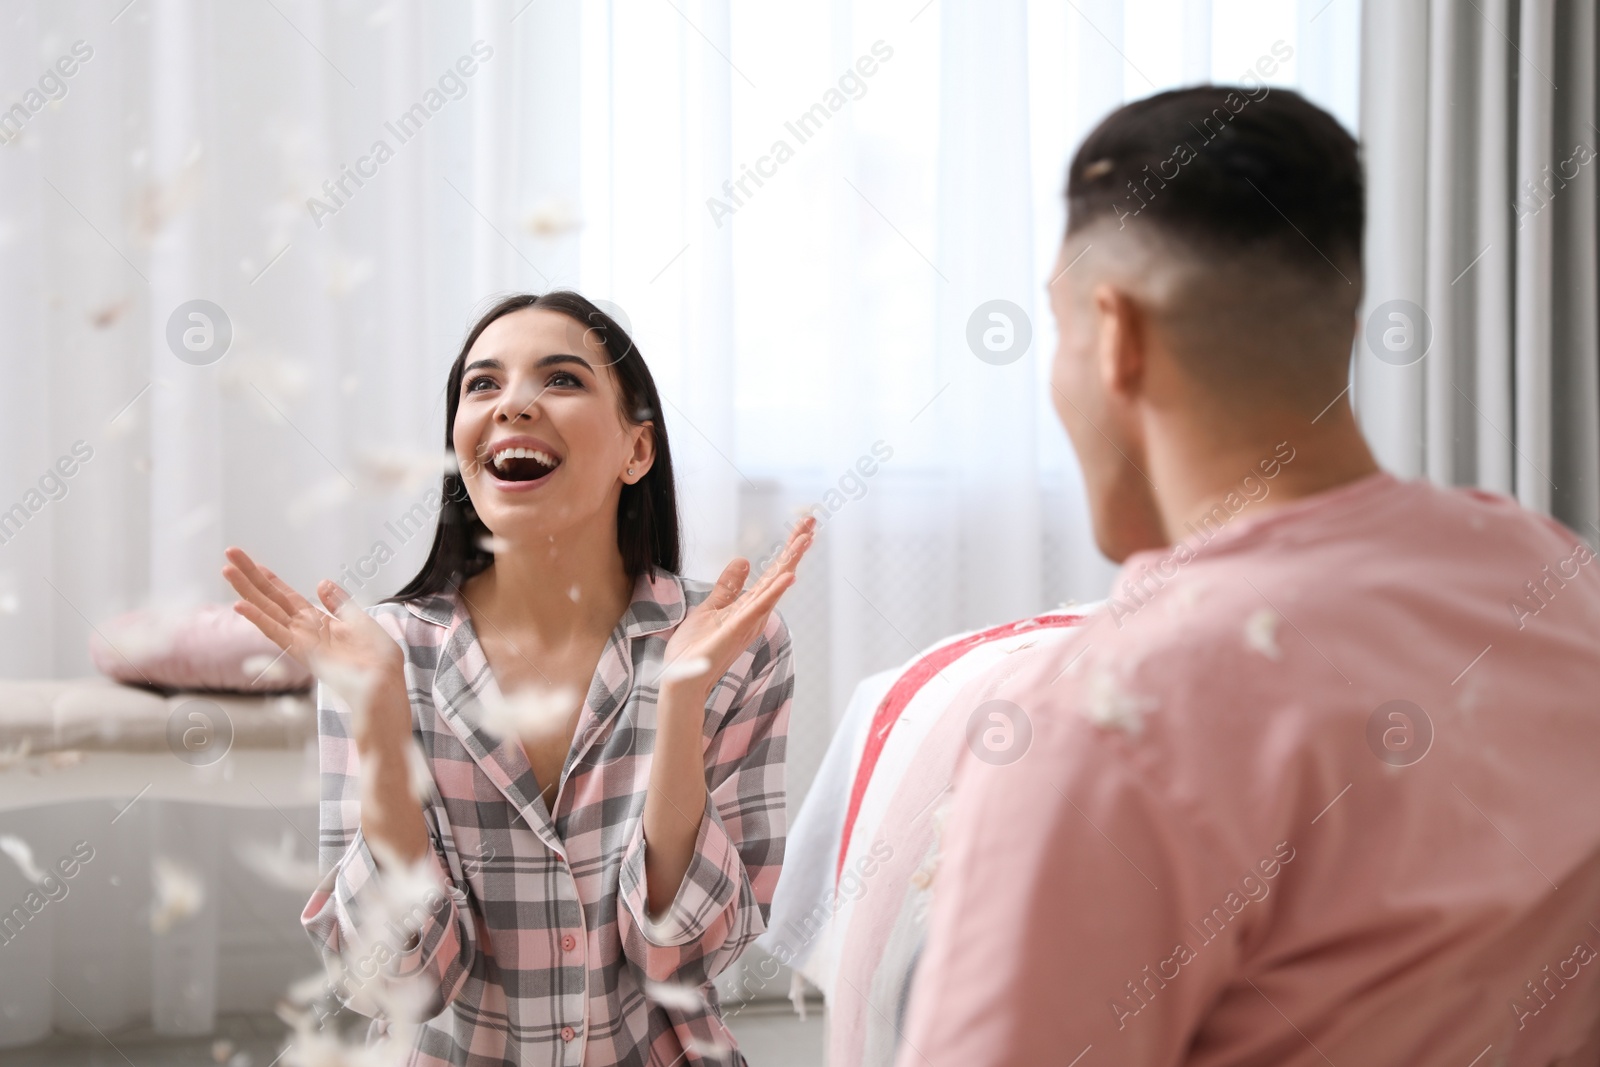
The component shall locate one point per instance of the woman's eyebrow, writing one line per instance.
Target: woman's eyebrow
(546, 361)
(564, 357)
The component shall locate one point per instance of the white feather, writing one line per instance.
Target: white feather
(675, 995)
(278, 864)
(1113, 706)
(420, 774)
(178, 895)
(678, 670)
(1261, 633)
(404, 469)
(527, 711)
(22, 856)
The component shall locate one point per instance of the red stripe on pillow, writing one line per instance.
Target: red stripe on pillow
(906, 687)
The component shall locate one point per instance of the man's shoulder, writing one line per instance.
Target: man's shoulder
(1277, 632)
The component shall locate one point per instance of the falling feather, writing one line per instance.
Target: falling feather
(311, 1047)
(313, 987)
(145, 634)
(345, 275)
(797, 994)
(402, 999)
(107, 316)
(675, 995)
(552, 217)
(707, 1048)
(271, 382)
(194, 522)
(178, 895)
(14, 755)
(125, 421)
(526, 711)
(402, 887)
(679, 670)
(322, 497)
(350, 683)
(494, 545)
(402, 891)
(420, 775)
(160, 201)
(278, 863)
(404, 470)
(22, 856)
(264, 668)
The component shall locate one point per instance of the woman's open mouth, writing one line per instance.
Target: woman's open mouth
(521, 467)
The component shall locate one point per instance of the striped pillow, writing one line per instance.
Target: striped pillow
(850, 906)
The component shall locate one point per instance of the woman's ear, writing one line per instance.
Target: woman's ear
(644, 451)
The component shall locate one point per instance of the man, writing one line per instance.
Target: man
(1318, 785)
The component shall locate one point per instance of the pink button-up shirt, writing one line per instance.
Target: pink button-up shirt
(1324, 789)
(538, 945)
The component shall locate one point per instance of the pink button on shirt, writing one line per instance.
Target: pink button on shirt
(1323, 789)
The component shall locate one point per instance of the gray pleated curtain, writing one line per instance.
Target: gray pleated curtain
(1480, 138)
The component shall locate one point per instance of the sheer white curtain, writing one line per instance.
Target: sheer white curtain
(802, 210)
(932, 188)
(337, 184)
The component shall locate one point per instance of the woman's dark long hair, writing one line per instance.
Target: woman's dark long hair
(647, 512)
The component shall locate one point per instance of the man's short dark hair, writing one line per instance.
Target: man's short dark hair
(1226, 170)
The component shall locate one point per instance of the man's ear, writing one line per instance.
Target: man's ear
(1123, 331)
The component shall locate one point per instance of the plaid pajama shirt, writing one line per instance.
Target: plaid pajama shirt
(539, 943)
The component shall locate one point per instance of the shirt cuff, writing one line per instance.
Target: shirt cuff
(709, 887)
(350, 920)
(432, 918)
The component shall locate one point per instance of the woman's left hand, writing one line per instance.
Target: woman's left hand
(715, 631)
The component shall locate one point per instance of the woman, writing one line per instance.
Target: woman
(605, 739)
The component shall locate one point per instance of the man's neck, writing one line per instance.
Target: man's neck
(1266, 462)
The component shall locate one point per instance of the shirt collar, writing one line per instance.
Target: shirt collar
(658, 604)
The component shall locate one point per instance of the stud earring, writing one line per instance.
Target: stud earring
(630, 470)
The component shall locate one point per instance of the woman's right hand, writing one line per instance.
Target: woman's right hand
(356, 658)
(343, 646)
